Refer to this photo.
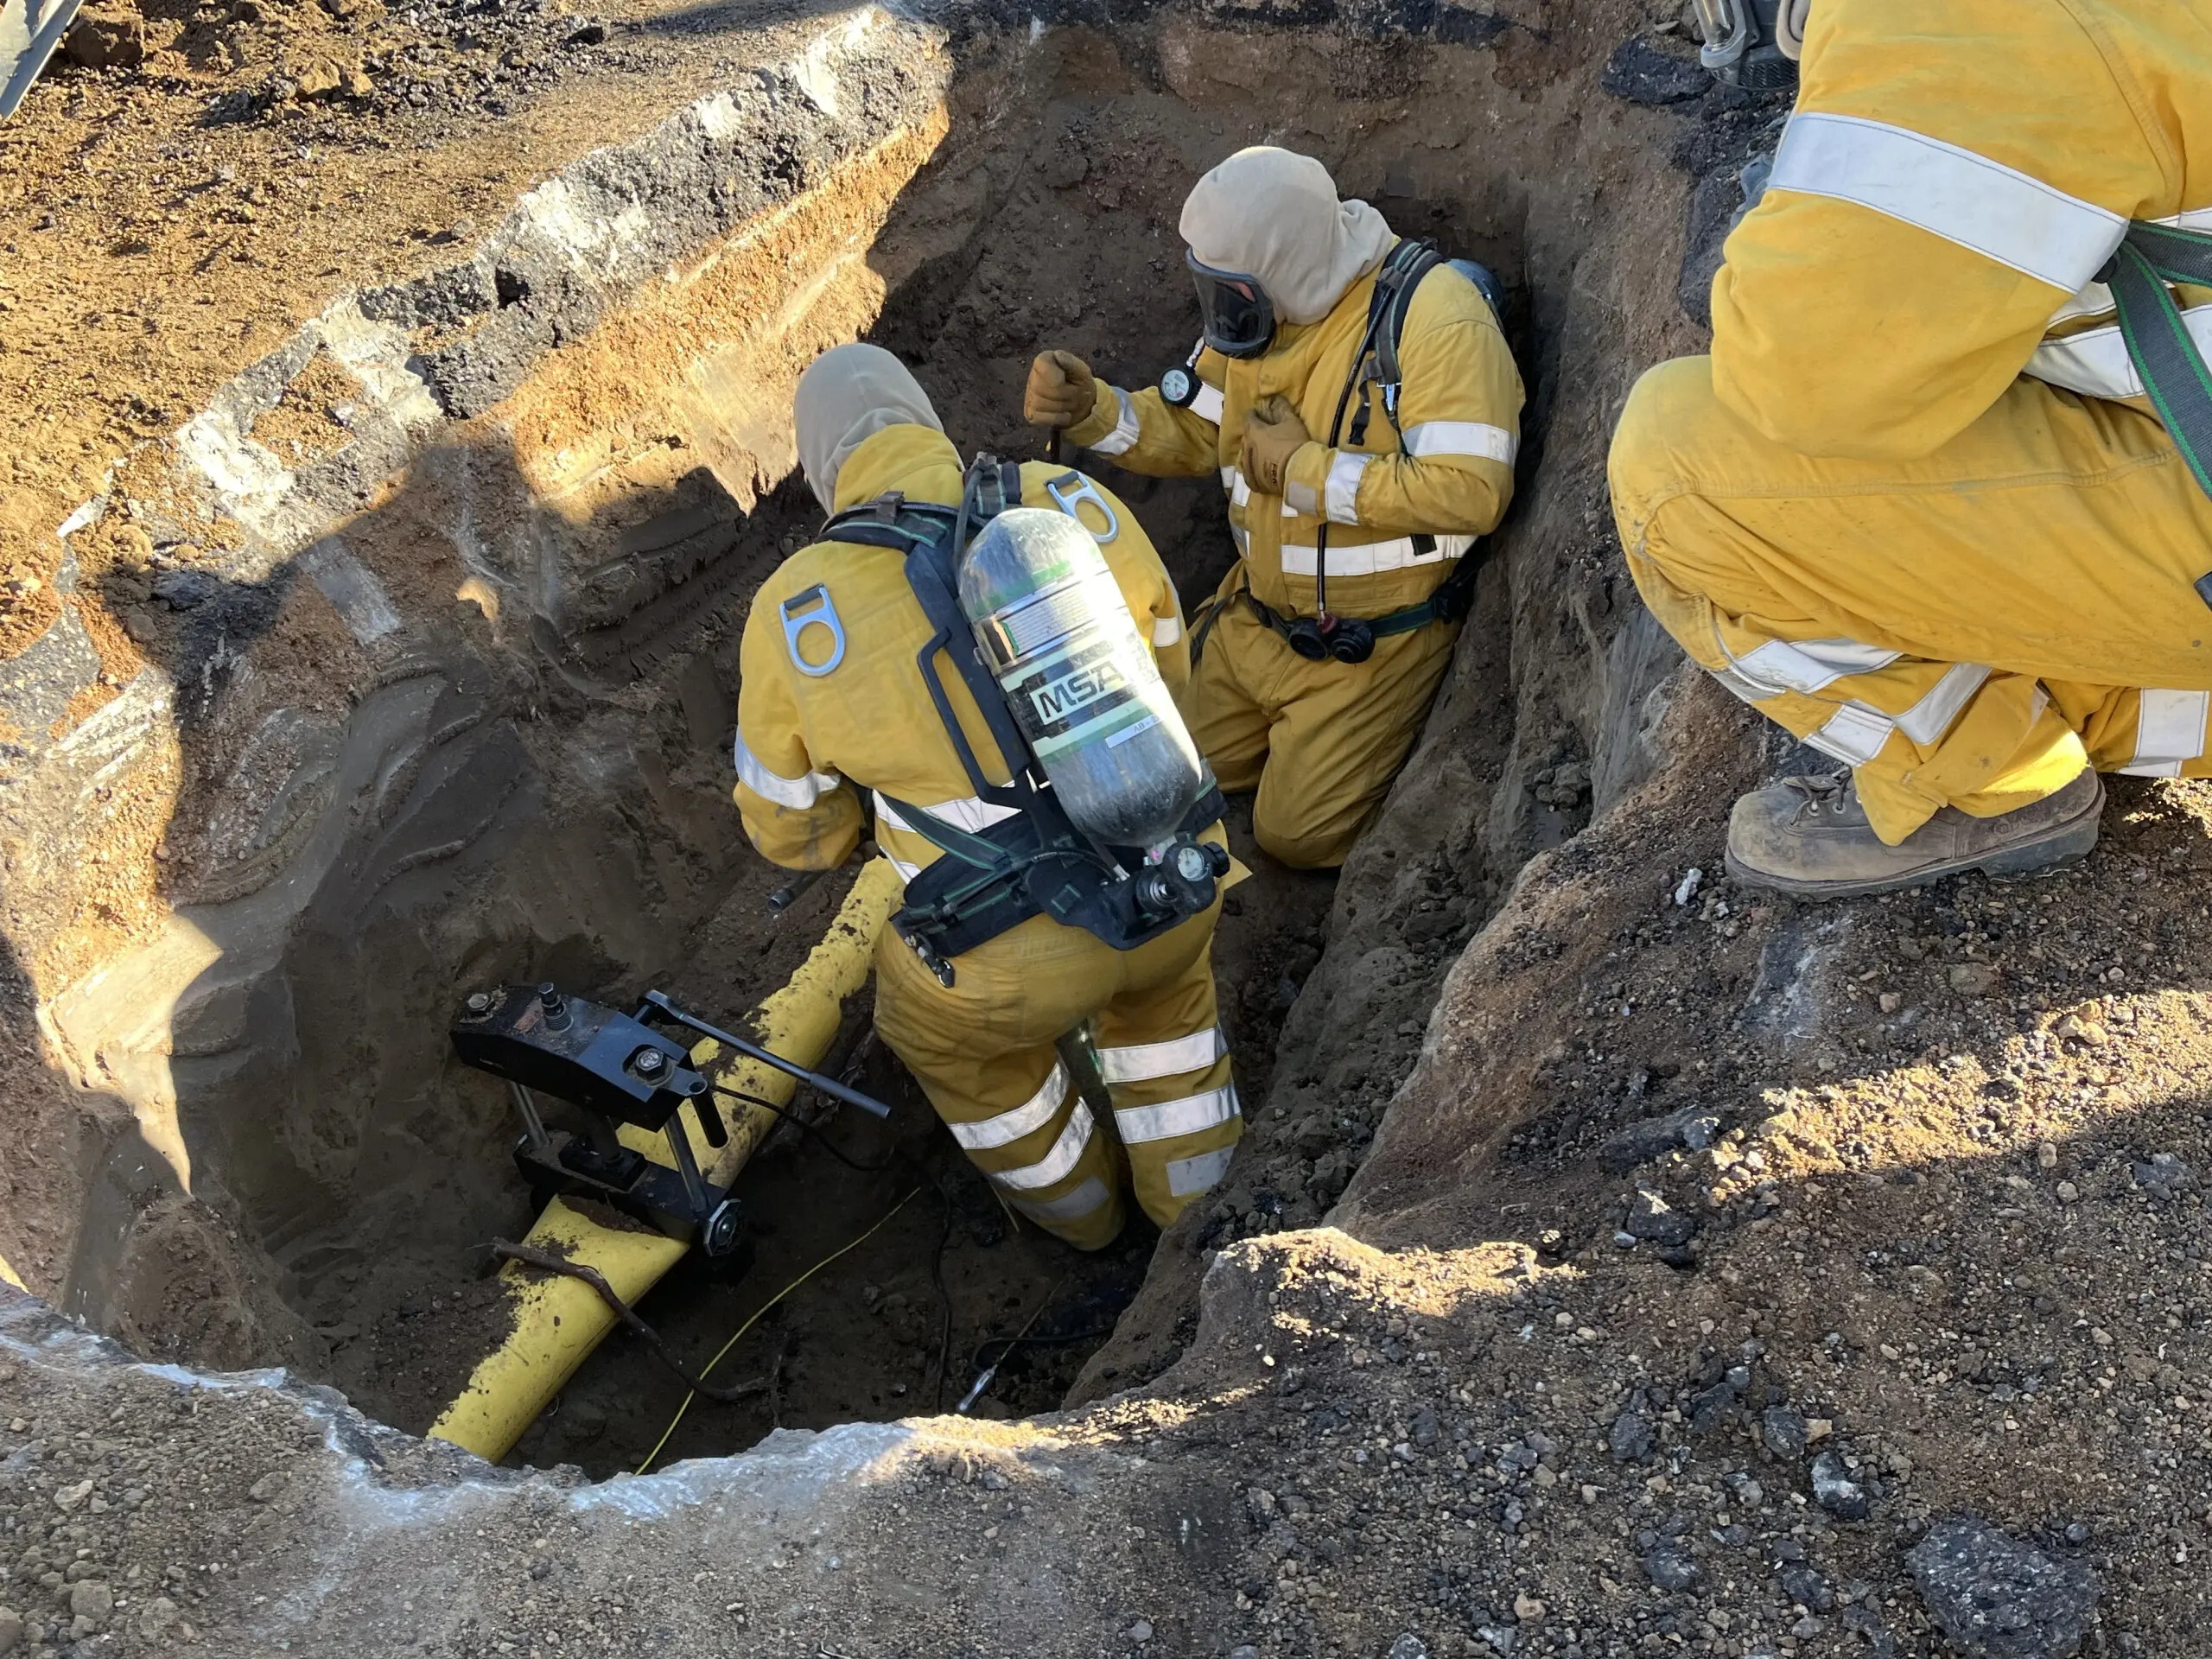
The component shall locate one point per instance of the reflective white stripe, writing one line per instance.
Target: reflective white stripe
(2094, 362)
(1808, 666)
(2169, 729)
(1854, 734)
(1069, 1206)
(1125, 431)
(966, 813)
(1165, 630)
(1239, 491)
(1207, 404)
(2095, 299)
(1476, 438)
(906, 871)
(1028, 1118)
(1980, 204)
(1056, 1165)
(797, 793)
(1374, 557)
(1188, 1175)
(1741, 689)
(1172, 1117)
(1341, 496)
(1931, 717)
(1142, 1062)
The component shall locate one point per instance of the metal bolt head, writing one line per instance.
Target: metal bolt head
(651, 1060)
(480, 1002)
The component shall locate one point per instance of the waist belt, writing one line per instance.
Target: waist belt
(1351, 638)
(1024, 866)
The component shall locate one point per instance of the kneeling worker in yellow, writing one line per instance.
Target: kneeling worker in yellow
(1355, 395)
(1916, 506)
(992, 655)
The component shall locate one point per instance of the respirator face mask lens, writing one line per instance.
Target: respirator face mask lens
(1240, 319)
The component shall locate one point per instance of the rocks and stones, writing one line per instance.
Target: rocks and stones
(1669, 1567)
(1834, 1490)
(91, 1598)
(1498, 1638)
(1654, 1221)
(1426, 1426)
(1973, 978)
(1140, 1631)
(11, 1629)
(1408, 1646)
(1630, 1439)
(1644, 72)
(185, 590)
(1695, 1128)
(1804, 1586)
(106, 37)
(1998, 1598)
(1784, 1430)
(2163, 1176)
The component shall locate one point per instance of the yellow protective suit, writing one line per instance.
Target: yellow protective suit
(982, 1048)
(1321, 741)
(1913, 507)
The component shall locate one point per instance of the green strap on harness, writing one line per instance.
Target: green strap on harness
(2158, 340)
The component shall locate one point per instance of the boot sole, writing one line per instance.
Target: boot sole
(2061, 844)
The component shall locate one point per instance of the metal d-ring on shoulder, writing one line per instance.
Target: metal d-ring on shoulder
(800, 611)
(1071, 489)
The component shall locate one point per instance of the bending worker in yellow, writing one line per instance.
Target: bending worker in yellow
(862, 672)
(1361, 407)
(1916, 507)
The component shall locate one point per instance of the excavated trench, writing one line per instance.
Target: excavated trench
(442, 696)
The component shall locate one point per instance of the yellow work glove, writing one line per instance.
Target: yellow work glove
(1062, 391)
(1273, 434)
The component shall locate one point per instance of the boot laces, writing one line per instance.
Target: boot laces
(1834, 792)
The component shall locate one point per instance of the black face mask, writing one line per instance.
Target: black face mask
(1240, 319)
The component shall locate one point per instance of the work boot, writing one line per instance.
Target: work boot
(1809, 837)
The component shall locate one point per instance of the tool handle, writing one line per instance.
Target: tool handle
(828, 1086)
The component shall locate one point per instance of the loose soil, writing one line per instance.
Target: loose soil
(1585, 1204)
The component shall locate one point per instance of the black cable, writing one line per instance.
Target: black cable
(976, 1360)
(943, 1300)
(821, 1138)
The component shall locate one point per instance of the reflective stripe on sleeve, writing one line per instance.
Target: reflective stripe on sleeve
(1143, 1062)
(1028, 1118)
(1980, 205)
(1372, 558)
(1341, 495)
(1125, 431)
(797, 793)
(1056, 1165)
(1186, 1176)
(1479, 439)
(1173, 1117)
(2094, 362)
(966, 813)
(1207, 404)
(2169, 730)
(1165, 630)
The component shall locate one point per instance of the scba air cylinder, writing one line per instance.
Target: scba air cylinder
(1056, 631)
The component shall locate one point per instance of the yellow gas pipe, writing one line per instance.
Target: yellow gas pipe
(559, 1321)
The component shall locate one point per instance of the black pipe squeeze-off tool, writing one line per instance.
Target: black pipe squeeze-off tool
(614, 1068)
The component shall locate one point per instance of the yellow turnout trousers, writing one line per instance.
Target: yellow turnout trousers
(982, 1049)
(1320, 741)
(1969, 628)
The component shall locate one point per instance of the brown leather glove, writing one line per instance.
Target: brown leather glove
(1273, 434)
(1062, 391)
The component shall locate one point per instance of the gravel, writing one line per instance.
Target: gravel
(1836, 1491)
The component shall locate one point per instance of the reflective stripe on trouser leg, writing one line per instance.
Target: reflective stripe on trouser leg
(1042, 1151)
(1166, 1063)
(2143, 732)
(1918, 735)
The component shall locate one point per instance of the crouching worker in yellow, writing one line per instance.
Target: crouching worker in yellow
(1916, 507)
(992, 657)
(1354, 395)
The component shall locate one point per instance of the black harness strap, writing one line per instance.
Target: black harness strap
(2158, 340)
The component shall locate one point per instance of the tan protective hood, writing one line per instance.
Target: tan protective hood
(846, 396)
(1273, 214)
